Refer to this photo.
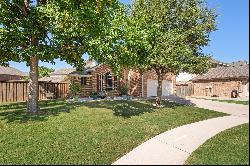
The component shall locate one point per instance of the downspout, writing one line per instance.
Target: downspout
(128, 83)
(142, 85)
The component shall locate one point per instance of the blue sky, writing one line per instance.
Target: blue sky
(229, 43)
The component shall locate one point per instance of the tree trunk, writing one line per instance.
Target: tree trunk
(159, 86)
(32, 103)
(159, 89)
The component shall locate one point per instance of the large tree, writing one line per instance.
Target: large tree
(163, 35)
(48, 29)
(175, 32)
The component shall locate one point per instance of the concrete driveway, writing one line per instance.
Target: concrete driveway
(229, 108)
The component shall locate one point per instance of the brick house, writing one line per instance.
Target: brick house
(222, 80)
(101, 78)
(10, 73)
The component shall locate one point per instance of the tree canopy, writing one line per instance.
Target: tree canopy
(49, 29)
(44, 71)
(161, 35)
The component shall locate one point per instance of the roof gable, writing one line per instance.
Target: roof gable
(11, 71)
(63, 71)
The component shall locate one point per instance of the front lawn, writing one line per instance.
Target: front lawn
(86, 133)
(230, 147)
(235, 101)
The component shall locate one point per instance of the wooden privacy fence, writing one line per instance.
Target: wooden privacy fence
(16, 91)
(184, 90)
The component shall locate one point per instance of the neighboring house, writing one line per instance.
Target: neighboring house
(10, 73)
(222, 80)
(100, 77)
(60, 75)
(62, 72)
(184, 78)
(52, 79)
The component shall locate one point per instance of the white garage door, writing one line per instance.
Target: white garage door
(167, 88)
(151, 87)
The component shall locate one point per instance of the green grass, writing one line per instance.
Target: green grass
(230, 147)
(235, 101)
(86, 133)
(227, 101)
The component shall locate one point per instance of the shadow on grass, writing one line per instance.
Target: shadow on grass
(16, 112)
(128, 109)
(180, 100)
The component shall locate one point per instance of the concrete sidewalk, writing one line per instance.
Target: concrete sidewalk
(174, 146)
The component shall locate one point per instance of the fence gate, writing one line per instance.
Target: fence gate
(184, 90)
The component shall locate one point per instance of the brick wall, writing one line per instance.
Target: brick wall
(221, 88)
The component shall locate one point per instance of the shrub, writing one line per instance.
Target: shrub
(75, 88)
(124, 89)
(94, 95)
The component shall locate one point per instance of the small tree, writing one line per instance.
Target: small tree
(44, 71)
(163, 35)
(75, 88)
(123, 88)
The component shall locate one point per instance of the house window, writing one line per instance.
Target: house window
(107, 82)
(83, 81)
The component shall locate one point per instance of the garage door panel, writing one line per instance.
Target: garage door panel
(167, 88)
(152, 87)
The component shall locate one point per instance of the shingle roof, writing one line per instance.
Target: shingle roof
(63, 71)
(52, 79)
(77, 73)
(239, 63)
(216, 61)
(11, 71)
(224, 72)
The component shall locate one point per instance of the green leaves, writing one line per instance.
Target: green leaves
(152, 34)
(52, 29)
(44, 71)
(168, 34)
